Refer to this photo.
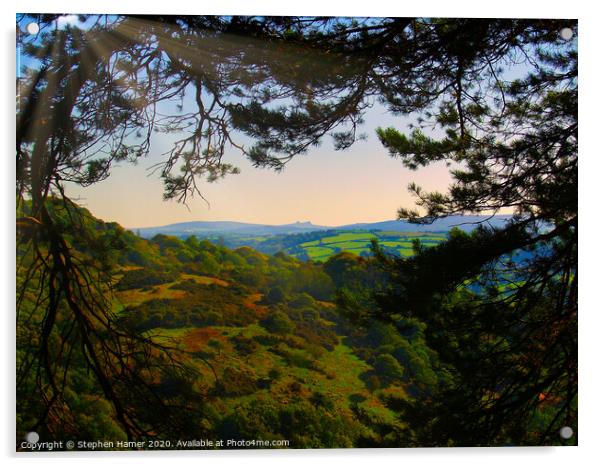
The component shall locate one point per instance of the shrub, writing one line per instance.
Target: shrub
(278, 322)
(140, 278)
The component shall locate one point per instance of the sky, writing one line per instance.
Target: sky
(323, 186)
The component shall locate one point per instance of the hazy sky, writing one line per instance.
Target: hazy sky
(324, 186)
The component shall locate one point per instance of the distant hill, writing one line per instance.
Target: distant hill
(204, 228)
(238, 228)
(464, 222)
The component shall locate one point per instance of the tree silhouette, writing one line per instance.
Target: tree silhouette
(511, 341)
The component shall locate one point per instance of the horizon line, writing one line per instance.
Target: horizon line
(306, 222)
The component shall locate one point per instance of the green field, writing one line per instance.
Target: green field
(399, 243)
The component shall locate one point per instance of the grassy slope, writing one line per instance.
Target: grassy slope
(336, 374)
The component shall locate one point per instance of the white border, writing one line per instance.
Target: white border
(590, 327)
